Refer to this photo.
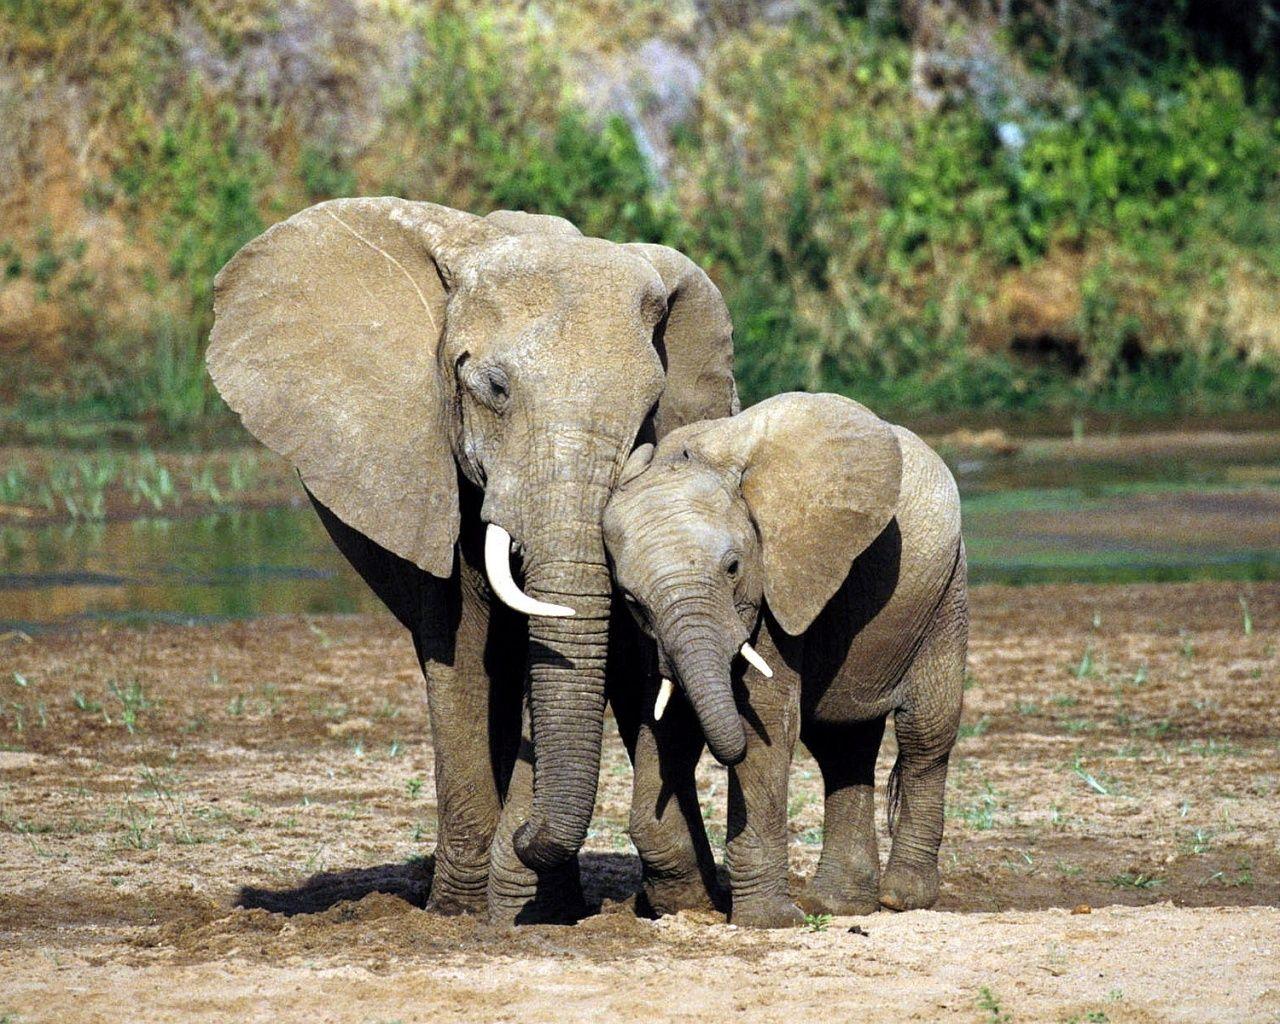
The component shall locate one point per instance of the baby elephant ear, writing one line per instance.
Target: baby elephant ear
(820, 475)
(324, 341)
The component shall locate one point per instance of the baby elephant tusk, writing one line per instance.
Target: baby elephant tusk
(497, 566)
(756, 661)
(664, 695)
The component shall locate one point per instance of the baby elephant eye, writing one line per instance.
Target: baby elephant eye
(732, 565)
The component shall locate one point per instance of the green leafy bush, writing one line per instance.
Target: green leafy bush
(864, 244)
(196, 174)
(484, 127)
(857, 236)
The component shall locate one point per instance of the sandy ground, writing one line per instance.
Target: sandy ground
(233, 823)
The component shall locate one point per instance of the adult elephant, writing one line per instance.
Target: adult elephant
(455, 389)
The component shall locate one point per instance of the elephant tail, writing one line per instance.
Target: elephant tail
(894, 794)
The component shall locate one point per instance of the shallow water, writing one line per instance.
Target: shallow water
(1081, 522)
(233, 564)
(1123, 534)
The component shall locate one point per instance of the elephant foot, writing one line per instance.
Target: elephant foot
(453, 904)
(766, 912)
(552, 902)
(459, 884)
(662, 896)
(909, 887)
(520, 896)
(847, 891)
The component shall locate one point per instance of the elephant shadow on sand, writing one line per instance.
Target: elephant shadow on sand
(613, 877)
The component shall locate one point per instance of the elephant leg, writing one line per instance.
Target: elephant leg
(466, 697)
(472, 735)
(848, 877)
(926, 727)
(757, 842)
(678, 870)
(518, 894)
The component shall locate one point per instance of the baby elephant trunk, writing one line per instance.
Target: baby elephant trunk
(704, 670)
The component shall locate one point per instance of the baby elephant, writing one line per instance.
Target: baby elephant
(830, 540)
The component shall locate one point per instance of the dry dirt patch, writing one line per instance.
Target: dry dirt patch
(1121, 749)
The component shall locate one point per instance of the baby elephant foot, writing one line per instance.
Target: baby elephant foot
(766, 912)
(661, 896)
(909, 887)
(815, 900)
(843, 888)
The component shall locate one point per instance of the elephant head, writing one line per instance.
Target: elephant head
(769, 507)
(396, 352)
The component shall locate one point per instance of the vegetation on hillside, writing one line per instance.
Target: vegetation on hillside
(1073, 217)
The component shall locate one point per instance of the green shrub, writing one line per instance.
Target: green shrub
(1158, 156)
(855, 234)
(482, 126)
(325, 175)
(195, 174)
(857, 237)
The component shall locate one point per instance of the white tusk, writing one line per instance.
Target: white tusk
(755, 660)
(497, 566)
(664, 695)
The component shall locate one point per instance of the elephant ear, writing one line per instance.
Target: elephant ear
(517, 222)
(821, 476)
(324, 341)
(694, 341)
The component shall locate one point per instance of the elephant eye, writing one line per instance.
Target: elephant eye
(732, 565)
(491, 387)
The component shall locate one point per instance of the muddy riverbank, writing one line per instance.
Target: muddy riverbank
(1120, 750)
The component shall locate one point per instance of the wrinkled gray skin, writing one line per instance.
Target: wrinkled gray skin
(430, 372)
(830, 540)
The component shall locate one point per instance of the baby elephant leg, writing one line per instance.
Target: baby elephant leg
(679, 870)
(926, 727)
(757, 835)
(678, 867)
(848, 877)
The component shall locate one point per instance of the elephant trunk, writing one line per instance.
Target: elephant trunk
(702, 653)
(566, 674)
